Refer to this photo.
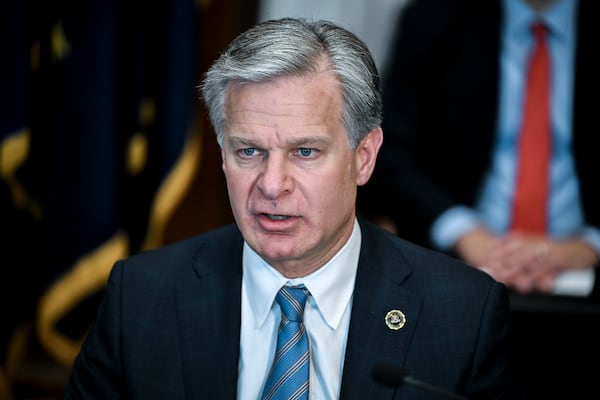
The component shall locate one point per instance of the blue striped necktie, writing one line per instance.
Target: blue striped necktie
(288, 378)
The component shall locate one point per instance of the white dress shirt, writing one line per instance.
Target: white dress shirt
(326, 317)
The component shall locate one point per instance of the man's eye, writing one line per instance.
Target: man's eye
(307, 152)
(248, 152)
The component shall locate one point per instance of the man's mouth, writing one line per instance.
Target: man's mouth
(275, 217)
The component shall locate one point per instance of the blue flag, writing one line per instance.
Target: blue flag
(97, 148)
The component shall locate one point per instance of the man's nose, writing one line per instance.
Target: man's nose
(275, 178)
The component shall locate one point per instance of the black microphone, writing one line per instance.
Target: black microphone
(394, 376)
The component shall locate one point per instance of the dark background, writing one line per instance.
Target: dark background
(99, 118)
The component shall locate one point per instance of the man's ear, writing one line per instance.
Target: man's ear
(366, 155)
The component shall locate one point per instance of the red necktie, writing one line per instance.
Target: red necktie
(529, 212)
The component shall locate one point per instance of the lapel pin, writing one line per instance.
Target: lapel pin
(395, 319)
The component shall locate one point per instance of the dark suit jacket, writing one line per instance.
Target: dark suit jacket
(440, 106)
(169, 324)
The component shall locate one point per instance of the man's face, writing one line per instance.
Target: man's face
(291, 174)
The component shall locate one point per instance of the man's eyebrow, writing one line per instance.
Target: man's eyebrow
(308, 141)
(292, 142)
(235, 140)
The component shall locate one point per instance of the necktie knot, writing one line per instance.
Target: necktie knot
(539, 30)
(292, 301)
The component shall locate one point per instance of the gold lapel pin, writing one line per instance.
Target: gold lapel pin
(395, 319)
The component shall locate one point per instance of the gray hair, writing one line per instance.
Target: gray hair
(293, 46)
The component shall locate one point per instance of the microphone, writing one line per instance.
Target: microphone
(394, 376)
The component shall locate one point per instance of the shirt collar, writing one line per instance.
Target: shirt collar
(559, 17)
(330, 286)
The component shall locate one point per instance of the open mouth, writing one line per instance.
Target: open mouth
(275, 217)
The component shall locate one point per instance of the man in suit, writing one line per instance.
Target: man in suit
(296, 108)
(447, 173)
(453, 97)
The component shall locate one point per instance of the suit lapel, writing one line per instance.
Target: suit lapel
(209, 317)
(378, 291)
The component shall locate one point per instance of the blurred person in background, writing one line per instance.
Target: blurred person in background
(447, 175)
